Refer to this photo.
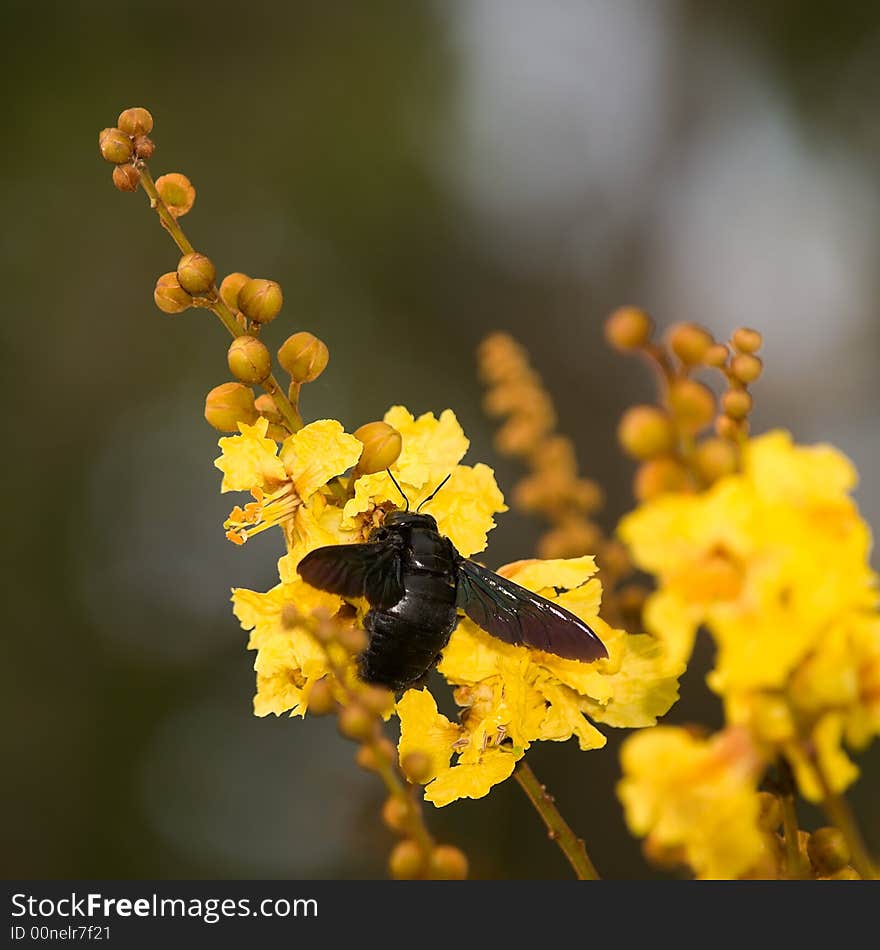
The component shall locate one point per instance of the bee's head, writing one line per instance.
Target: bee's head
(409, 519)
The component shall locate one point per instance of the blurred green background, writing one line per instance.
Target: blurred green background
(415, 175)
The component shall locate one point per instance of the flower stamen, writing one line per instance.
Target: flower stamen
(267, 509)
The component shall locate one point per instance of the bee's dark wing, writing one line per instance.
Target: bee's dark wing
(356, 570)
(518, 616)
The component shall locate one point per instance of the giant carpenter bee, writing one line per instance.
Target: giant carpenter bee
(415, 581)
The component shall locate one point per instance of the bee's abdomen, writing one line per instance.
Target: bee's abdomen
(406, 639)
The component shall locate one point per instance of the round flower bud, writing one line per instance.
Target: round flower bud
(716, 355)
(689, 342)
(628, 328)
(745, 340)
(659, 476)
(144, 147)
(745, 367)
(126, 177)
(736, 403)
(416, 766)
(115, 146)
(447, 864)
(770, 862)
(356, 722)
(614, 558)
(368, 756)
(396, 814)
(827, 850)
(177, 192)
(136, 121)
(170, 297)
(249, 360)
(692, 404)
(265, 406)
(727, 428)
(260, 300)
(770, 815)
(378, 700)
(321, 700)
(228, 404)
(714, 458)
(196, 273)
(407, 861)
(646, 431)
(382, 445)
(351, 638)
(572, 538)
(304, 356)
(229, 289)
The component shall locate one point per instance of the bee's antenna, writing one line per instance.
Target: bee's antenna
(402, 495)
(425, 502)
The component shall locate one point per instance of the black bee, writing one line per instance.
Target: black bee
(415, 581)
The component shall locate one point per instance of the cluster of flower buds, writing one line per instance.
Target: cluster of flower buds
(673, 442)
(360, 710)
(553, 488)
(243, 304)
(127, 145)
(254, 303)
(823, 854)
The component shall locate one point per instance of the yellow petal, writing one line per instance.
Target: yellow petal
(674, 622)
(472, 781)
(431, 447)
(279, 680)
(249, 459)
(644, 688)
(561, 573)
(317, 453)
(564, 718)
(694, 794)
(839, 770)
(316, 525)
(464, 507)
(797, 474)
(472, 655)
(423, 729)
(262, 613)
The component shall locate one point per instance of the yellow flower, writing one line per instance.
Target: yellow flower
(832, 697)
(695, 797)
(290, 487)
(281, 482)
(432, 449)
(289, 659)
(774, 562)
(767, 559)
(512, 696)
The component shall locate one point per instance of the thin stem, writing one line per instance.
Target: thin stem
(289, 413)
(781, 782)
(558, 829)
(167, 218)
(794, 861)
(398, 789)
(840, 815)
(385, 767)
